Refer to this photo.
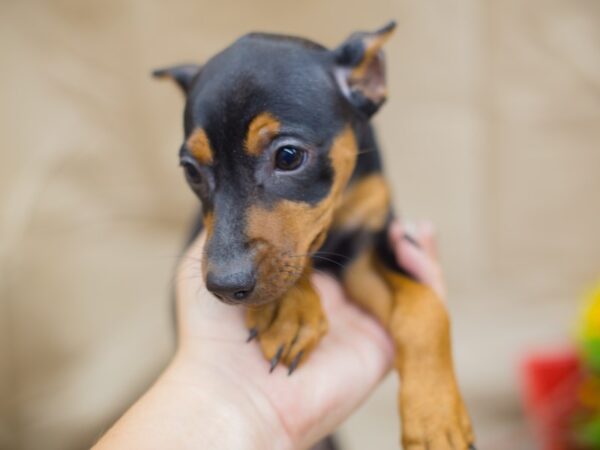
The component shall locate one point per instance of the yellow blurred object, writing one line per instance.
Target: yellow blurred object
(590, 317)
(589, 331)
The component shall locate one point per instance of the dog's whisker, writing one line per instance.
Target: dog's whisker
(318, 253)
(333, 261)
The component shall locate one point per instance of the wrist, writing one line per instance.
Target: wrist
(191, 407)
(230, 411)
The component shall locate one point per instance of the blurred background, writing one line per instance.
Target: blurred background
(492, 130)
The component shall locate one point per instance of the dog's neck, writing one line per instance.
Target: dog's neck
(368, 160)
(365, 204)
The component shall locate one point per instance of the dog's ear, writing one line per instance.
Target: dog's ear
(182, 74)
(360, 68)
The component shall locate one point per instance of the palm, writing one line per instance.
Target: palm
(340, 373)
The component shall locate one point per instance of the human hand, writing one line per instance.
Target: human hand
(218, 392)
(420, 260)
(347, 365)
(281, 411)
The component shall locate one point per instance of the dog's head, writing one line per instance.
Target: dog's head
(269, 146)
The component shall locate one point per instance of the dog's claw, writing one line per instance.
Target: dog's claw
(252, 335)
(276, 358)
(295, 362)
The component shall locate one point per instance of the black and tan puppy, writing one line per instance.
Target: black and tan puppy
(279, 149)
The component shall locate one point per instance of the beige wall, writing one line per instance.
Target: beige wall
(492, 130)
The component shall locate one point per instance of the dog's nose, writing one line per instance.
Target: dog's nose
(232, 286)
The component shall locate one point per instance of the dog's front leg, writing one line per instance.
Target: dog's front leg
(290, 328)
(433, 412)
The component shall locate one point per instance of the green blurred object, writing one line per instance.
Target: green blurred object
(588, 433)
(587, 429)
(590, 349)
(589, 330)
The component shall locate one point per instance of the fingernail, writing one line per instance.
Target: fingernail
(412, 240)
(410, 228)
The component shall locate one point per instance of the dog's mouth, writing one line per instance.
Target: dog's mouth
(262, 273)
(274, 274)
(280, 269)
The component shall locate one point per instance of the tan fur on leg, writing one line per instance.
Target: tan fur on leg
(432, 410)
(289, 329)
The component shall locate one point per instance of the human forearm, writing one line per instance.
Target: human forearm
(191, 409)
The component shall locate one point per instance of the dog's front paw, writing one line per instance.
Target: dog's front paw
(289, 329)
(434, 417)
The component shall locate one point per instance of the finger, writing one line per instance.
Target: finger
(190, 265)
(415, 250)
(414, 260)
(396, 236)
(427, 238)
(423, 268)
(410, 229)
(329, 290)
(410, 259)
(345, 367)
(337, 305)
(198, 312)
(400, 230)
(395, 233)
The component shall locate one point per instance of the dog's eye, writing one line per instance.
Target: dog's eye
(289, 158)
(191, 172)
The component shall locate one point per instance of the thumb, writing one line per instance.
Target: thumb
(198, 312)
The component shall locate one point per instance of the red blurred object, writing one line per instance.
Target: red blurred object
(550, 381)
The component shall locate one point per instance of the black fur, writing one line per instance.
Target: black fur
(293, 78)
(298, 82)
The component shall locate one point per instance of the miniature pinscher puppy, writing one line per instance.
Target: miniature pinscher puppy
(279, 149)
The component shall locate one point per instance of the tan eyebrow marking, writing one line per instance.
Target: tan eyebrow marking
(262, 128)
(199, 147)
(300, 223)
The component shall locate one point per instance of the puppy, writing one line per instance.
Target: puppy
(279, 149)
